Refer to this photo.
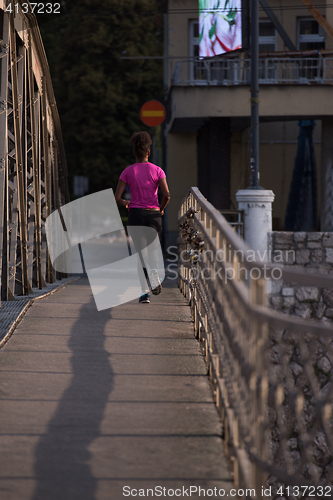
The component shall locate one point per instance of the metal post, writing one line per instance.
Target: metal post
(165, 58)
(36, 175)
(47, 170)
(152, 153)
(164, 127)
(254, 94)
(19, 163)
(4, 223)
(56, 193)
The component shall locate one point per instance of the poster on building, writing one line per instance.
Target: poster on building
(220, 27)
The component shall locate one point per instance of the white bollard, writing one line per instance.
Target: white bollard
(257, 207)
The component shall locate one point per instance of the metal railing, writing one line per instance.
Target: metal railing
(236, 71)
(33, 174)
(235, 219)
(262, 407)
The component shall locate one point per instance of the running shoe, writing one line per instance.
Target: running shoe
(155, 283)
(144, 299)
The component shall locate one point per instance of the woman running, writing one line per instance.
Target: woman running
(144, 179)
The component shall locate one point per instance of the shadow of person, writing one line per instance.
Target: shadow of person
(62, 455)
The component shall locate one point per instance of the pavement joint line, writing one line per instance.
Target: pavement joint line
(12, 311)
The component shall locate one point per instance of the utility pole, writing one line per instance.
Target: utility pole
(255, 201)
(254, 95)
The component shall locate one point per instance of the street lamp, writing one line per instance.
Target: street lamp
(254, 95)
(255, 201)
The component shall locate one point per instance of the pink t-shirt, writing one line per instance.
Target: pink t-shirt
(142, 179)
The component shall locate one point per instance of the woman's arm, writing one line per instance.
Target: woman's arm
(166, 194)
(119, 191)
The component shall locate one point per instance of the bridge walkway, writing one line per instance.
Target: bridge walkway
(91, 402)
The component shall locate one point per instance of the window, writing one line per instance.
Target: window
(267, 36)
(267, 43)
(310, 35)
(194, 38)
(197, 68)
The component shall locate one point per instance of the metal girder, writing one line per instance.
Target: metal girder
(4, 160)
(19, 162)
(29, 124)
(277, 24)
(47, 170)
(36, 171)
(319, 18)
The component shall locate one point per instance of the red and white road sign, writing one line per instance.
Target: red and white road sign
(152, 113)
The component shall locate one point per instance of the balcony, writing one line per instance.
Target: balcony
(300, 70)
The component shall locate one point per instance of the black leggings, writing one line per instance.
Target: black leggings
(147, 218)
(144, 217)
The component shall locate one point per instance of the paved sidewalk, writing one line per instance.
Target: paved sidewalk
(91, 402)
(11, 311)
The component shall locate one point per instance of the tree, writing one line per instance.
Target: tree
(99, 95)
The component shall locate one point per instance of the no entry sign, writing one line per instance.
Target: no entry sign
(152, 113)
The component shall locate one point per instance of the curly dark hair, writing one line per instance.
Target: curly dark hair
(141, 142)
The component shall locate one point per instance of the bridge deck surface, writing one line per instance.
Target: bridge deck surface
(91, 402)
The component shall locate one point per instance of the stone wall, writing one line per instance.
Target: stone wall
(312, 252)
(290, 352)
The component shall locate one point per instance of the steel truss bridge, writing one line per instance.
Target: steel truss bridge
(260, 412)
(33, 172)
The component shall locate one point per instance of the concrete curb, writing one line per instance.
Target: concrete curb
(12, 312)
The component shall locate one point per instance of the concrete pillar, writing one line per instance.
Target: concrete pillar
(326, 217)
(257, 207)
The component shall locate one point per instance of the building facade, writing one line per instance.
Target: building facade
(208, 130)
